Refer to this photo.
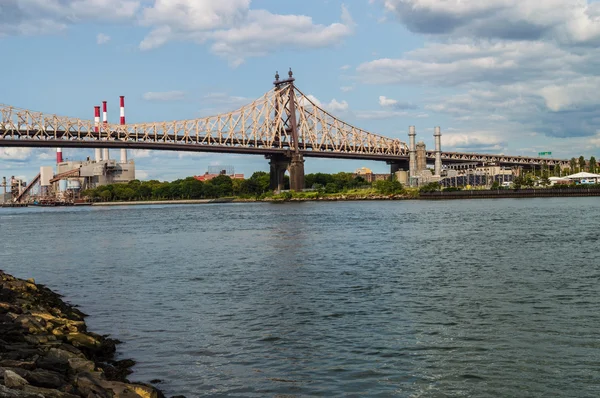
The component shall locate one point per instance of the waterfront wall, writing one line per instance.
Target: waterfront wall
(510, 193)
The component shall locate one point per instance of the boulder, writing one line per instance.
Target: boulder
(13, 380)
(89, 386)
(11, 363)
(80, 365)
(83, 340)
(63, 354)
(53, 364)
(48, 393)
(6, 392)
(44, 378)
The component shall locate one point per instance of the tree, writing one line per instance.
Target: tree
(496, 185)
(581, 163)
(387, 187)
(573, 164)
(593, 164)
(557, 170)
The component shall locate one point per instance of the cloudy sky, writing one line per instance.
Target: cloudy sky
(499, 76)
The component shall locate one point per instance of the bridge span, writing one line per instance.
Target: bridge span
(284, 125)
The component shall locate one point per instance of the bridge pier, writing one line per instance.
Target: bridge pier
(279, 164)
(396, 166)
(294, 164)
(297, 172)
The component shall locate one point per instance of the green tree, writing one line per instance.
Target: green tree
(557, 170)
(573, 164)
(581, 163)
(593, 164)
(222, 186)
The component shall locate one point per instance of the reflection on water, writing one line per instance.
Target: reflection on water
(462, 298)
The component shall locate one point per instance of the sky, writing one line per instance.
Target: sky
(499, 76)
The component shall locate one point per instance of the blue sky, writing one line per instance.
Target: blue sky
(499, 76)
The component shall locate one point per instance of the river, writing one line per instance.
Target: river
(480, 298)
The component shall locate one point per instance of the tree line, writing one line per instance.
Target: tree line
(257, 186)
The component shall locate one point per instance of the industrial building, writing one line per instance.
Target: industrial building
(71, 177)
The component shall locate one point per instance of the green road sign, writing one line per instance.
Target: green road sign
(544, 153)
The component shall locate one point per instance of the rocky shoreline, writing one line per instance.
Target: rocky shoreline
(46, 350)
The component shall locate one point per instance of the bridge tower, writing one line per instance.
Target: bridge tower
(293, 161)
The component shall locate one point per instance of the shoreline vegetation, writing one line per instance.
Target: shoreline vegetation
(47, 351)
(324, 187)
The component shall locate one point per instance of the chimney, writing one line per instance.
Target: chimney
(122, 112)
(98, 151)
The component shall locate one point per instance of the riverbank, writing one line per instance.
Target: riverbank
(511, 193)
(164, 202)
(46, 350)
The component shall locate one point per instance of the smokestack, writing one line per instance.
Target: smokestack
(98, 151)
(412, 163)
(122, 112)
(437, 135)
(105, 155)
(59, 158)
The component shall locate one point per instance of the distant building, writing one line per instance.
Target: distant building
(92, 174)
(209, 176)
(369, 176)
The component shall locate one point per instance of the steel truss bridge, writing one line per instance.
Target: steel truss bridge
(283, 124)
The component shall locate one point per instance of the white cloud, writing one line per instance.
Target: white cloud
(164, 96)
(139, 153)
(15, 154)
(345, 67)
(379, 115)
(472, 141)
(564, 21)
(335, 106)
(384, 101)
(235, 31)
(346, 89)
(332, 106)
(36, 17)
(101, 38)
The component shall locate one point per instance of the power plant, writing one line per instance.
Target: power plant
(64, 184)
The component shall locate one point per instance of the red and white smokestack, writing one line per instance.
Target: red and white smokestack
(105, 154)
(98, 151)
(59, 158)
(122, 100)
(104, 113)
(122, 113)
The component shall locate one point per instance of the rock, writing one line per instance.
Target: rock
(37, 339)
(83, 340)
(53, 364)
(11, 363)
(80, 365)
(63, 354)
(48, 393)
(44, 378)
(89, 386)
(13, 380)
(146, 391)
(31, 324)
(6, 392)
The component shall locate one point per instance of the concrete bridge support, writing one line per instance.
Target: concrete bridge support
(294, 164)
(399, 165)
(297, 172)
(279, 165)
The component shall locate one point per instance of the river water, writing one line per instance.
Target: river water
(409, 298)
